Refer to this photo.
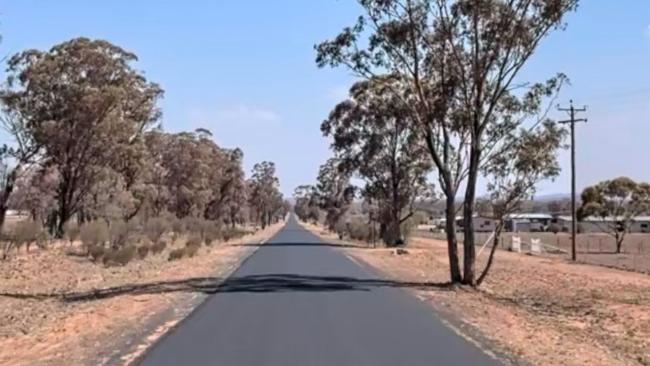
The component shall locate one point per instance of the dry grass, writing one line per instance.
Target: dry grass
(544, 310)
(38, 326)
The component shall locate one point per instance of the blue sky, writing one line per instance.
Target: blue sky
(245, 70)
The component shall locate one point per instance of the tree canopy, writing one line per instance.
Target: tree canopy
(458, 62)
(615, 203)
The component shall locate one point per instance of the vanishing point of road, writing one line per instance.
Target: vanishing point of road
(299, 302)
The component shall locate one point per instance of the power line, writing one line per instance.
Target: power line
(572, 113)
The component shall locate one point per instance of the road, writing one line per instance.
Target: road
(298, 301)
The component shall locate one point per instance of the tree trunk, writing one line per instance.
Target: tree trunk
(452, 243)
(495, 245)
(60, 228)
(393, 232)
(62, 216)
(469, 249)
(619, 243)
(6, 194)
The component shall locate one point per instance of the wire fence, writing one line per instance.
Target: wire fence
(593, 248)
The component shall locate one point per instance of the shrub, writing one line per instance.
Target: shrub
(94, 233)
(176, 254)
(228, 234)
(359, 230)
(194, 241)
(119, 256)
(200, 227)
(178, 227)
(71, 231)
(27, 232)
(158, 247)
(234, 233)
(42, 238)
(155, 228)
(212, 234)
(192, 225)
(191, 251)
(96, 252)
(341, 229)
(192, 246)
(144, 249)
(119, 233)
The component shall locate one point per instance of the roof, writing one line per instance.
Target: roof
(530, 216)
(459, 218)
(614, 218)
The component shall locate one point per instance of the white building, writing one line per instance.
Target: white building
(481, 224)
(528, 222)
(592, 224)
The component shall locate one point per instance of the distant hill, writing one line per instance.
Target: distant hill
(553, 197)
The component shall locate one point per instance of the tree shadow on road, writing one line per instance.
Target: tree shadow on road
(270, 283)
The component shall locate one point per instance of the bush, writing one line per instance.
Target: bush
(121, 232)
(71, 231)
(200, 227)
(96, 252)
(234, 233)
(27, 232)
(155, 228)
(359, 230)
(341, 229)
(158, 247)
(192, 246)
(42, 238)
(193, 225)
(176, 254)
(194, 241)
(143, 251)
(178, 225)
(94, 233)
(211, 236)
(190, 251)
(119, 256)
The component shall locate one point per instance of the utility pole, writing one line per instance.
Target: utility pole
(574, 217)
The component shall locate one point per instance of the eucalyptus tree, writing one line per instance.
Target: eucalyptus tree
(459, 61)
(513, 175)
(233, 187)
(335, 192)
(306, 204)
(35, 193)
(15, 159)
(264, 195)
(375, 139)
(84, 104)
(615, 203)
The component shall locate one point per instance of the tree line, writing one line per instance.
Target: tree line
(87, 145)
(439, 96)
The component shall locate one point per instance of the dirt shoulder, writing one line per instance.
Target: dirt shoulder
(58, 309)
(545, 311)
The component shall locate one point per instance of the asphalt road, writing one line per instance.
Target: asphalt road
(299, 302)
